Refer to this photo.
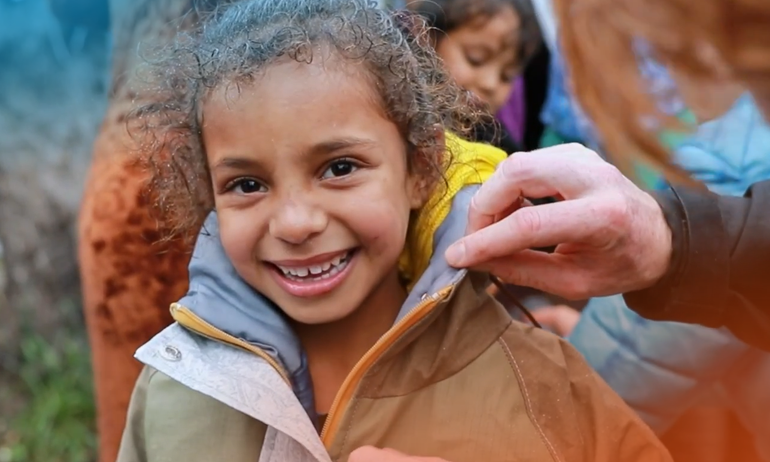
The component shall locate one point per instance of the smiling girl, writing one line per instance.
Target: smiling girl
(318, 144)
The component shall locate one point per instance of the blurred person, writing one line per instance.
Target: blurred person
(129, 274)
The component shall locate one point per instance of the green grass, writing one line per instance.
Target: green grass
(54, 420)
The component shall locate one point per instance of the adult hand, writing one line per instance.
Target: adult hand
(372, 454)
(611, 237)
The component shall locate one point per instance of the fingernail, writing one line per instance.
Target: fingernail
(455, 254)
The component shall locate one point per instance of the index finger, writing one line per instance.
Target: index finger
(536, 174)
(530, 227)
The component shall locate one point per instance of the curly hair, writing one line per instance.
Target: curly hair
(710, 40)
(240, 40)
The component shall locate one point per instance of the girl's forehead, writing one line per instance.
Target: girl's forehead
(291, 101)
(300, 84)
(505, 17)
(498, 30)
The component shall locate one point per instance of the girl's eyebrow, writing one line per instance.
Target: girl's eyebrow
(235, 163)
(319, 149)
(337, 144)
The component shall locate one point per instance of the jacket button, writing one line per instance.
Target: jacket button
(171, 353)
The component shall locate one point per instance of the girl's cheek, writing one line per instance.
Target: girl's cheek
(385, 226)
(463, 75)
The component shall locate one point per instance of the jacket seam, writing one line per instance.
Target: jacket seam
(150, 374)
(527, 402)
(352, 419)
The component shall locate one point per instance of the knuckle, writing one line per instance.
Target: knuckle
(576, 146)
(528, 221)
(616, 213)
(517, 166)
(610, 171)
(583, 150)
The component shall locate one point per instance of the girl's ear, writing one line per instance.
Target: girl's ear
(427, 168)
(419, 189)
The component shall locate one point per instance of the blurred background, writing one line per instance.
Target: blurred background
(54, 82)
(53, 85)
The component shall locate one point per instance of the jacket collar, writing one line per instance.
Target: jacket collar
(221, 305)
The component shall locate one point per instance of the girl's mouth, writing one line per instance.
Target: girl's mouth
(316, 279)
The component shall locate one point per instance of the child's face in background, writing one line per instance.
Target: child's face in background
(311, 188)
(481, 55)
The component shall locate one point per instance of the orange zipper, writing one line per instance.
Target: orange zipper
(348, 386)
(188, 319)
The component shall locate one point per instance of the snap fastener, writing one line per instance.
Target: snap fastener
(171, 353)
(433, 297)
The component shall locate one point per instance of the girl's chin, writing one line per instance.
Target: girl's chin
(317, 316)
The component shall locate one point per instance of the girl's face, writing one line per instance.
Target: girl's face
(311, 187)
(481, 55)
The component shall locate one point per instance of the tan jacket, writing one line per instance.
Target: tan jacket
(454, 378)
(457, 379)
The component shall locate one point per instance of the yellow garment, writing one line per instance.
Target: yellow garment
(470, 164)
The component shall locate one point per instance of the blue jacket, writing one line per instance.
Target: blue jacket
(662, 368)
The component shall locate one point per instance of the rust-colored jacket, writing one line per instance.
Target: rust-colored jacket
(455, 377)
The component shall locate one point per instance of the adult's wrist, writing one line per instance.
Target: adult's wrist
(675, 243)
(667, 240)
(694, 286)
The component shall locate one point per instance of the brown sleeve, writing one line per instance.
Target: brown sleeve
(719, 265)
(581, 418)
(169, 422)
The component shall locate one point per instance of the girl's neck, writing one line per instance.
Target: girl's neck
(333, 349)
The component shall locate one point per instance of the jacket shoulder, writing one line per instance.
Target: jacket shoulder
(574, 410)
(169, 421)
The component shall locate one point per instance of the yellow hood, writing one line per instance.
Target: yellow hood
(470, 164)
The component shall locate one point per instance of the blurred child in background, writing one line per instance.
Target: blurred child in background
(486, 45)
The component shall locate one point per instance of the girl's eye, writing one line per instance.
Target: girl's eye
(247, 186)
(476, 56)
(339, 168)
(474, 61)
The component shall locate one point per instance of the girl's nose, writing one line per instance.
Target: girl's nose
(295, 222)
(488, 81)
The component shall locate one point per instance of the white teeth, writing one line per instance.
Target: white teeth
(317, 272)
